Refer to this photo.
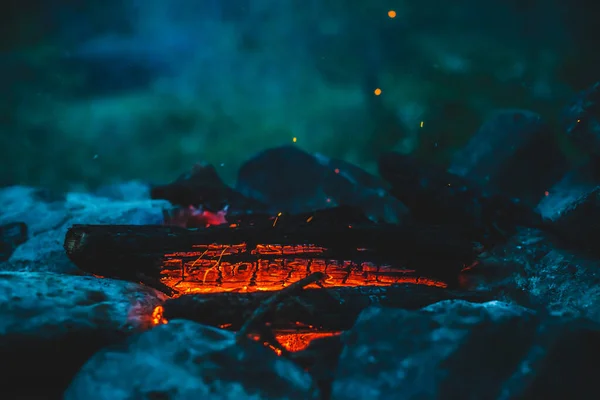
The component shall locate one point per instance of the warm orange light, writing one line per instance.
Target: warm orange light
(392, 14)
(293, 342)
(204, 271)
(157, 316)
(377, 92)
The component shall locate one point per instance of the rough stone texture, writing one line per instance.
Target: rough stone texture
(52, 323)
(532, 270)
(578, 224)
(515, 152)
(289, 179)
(459, 350)
(574, 185)
(449, 350)
(185, 360)
(581, 119)
(49, 218)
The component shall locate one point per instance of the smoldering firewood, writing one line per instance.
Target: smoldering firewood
(331, 309)
(144, 253)
(11, 236)
(274, 300)
(255, 322)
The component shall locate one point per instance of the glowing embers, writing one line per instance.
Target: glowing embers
(294, 342)
(232, 268)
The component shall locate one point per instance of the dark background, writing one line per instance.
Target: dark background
(101, 91)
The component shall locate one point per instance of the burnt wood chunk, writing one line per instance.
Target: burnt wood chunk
(274, 253)
(320, 310)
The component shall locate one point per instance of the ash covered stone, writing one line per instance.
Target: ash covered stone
(185, 360)
(48, 219)
(52, 323)
(532, 270)
(449, 350)
(460, 350)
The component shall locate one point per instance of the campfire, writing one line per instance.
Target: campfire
(287, 278)
(326, 252)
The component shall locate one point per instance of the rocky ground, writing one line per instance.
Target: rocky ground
(64, 333)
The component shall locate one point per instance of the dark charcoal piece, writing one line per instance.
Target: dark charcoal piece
(11, 236)
(330, 310)
(579, 223)
(291, 180)
(436, 196)
(514, 152)
(581, 120)
(202, 187)
(148, 253)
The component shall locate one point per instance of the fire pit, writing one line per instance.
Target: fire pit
(322, 268)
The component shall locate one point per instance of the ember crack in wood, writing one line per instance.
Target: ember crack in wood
(274, 300)
(266, 257)
(311, 310)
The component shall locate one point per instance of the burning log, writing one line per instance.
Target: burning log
(259, 256)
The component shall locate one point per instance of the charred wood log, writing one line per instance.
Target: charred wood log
(256, 255)
(323, 310)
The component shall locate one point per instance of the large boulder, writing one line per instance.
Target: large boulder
(186, 360)
(51, 324)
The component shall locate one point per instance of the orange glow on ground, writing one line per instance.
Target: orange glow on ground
(294, 342)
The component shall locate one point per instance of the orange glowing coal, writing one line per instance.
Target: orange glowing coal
(290, 341)
(238, 268)
(272, 267)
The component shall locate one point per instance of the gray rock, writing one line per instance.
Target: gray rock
(514, 152)
(304, 182)
(449, 350)
(48, 222)
(51, 324)
(185, 360)
(532, 271)
(573, 186)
